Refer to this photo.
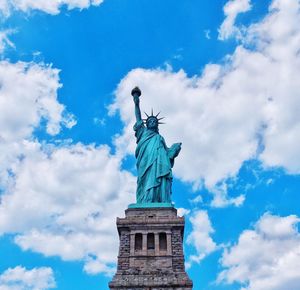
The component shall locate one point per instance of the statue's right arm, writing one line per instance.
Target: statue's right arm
(138, 114)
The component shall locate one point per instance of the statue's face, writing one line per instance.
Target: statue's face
(152, 123)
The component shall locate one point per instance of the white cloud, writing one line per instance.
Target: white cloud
(200, 237)
(198, 199)
(231, 10)
(99, 121)
(4, 39)
(66, 200)
(267, 257)
(183, 211)
(28, 95)
(207, 34)
(19, 278)
(246, 108)
(4, 7)
(47, 6)
(65, 197)
(282, 113)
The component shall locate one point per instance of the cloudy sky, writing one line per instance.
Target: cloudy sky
(225, 74)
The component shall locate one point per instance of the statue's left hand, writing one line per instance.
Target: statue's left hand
(174, 150)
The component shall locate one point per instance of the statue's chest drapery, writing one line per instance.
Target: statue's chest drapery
(151, 151)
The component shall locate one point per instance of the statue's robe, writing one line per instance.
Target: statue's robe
(154, 166)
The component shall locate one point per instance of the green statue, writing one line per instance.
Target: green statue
(154, 159)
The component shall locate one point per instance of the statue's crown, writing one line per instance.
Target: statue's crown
(152, 116)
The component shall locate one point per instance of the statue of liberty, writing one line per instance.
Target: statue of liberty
(154, 159)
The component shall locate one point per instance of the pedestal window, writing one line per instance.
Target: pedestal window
(138, 242)
(150, 241)
(162, 241)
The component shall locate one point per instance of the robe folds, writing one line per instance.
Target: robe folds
(154, 166)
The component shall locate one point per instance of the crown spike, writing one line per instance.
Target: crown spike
(152, 112)
(146, 114)
(157, 114)
(160, 118)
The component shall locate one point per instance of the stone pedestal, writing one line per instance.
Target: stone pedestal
(151, 252)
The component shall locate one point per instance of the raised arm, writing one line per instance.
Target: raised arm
(136, 92)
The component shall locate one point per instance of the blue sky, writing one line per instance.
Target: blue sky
(225, 74)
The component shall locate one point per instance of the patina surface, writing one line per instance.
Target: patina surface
(154, 159)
